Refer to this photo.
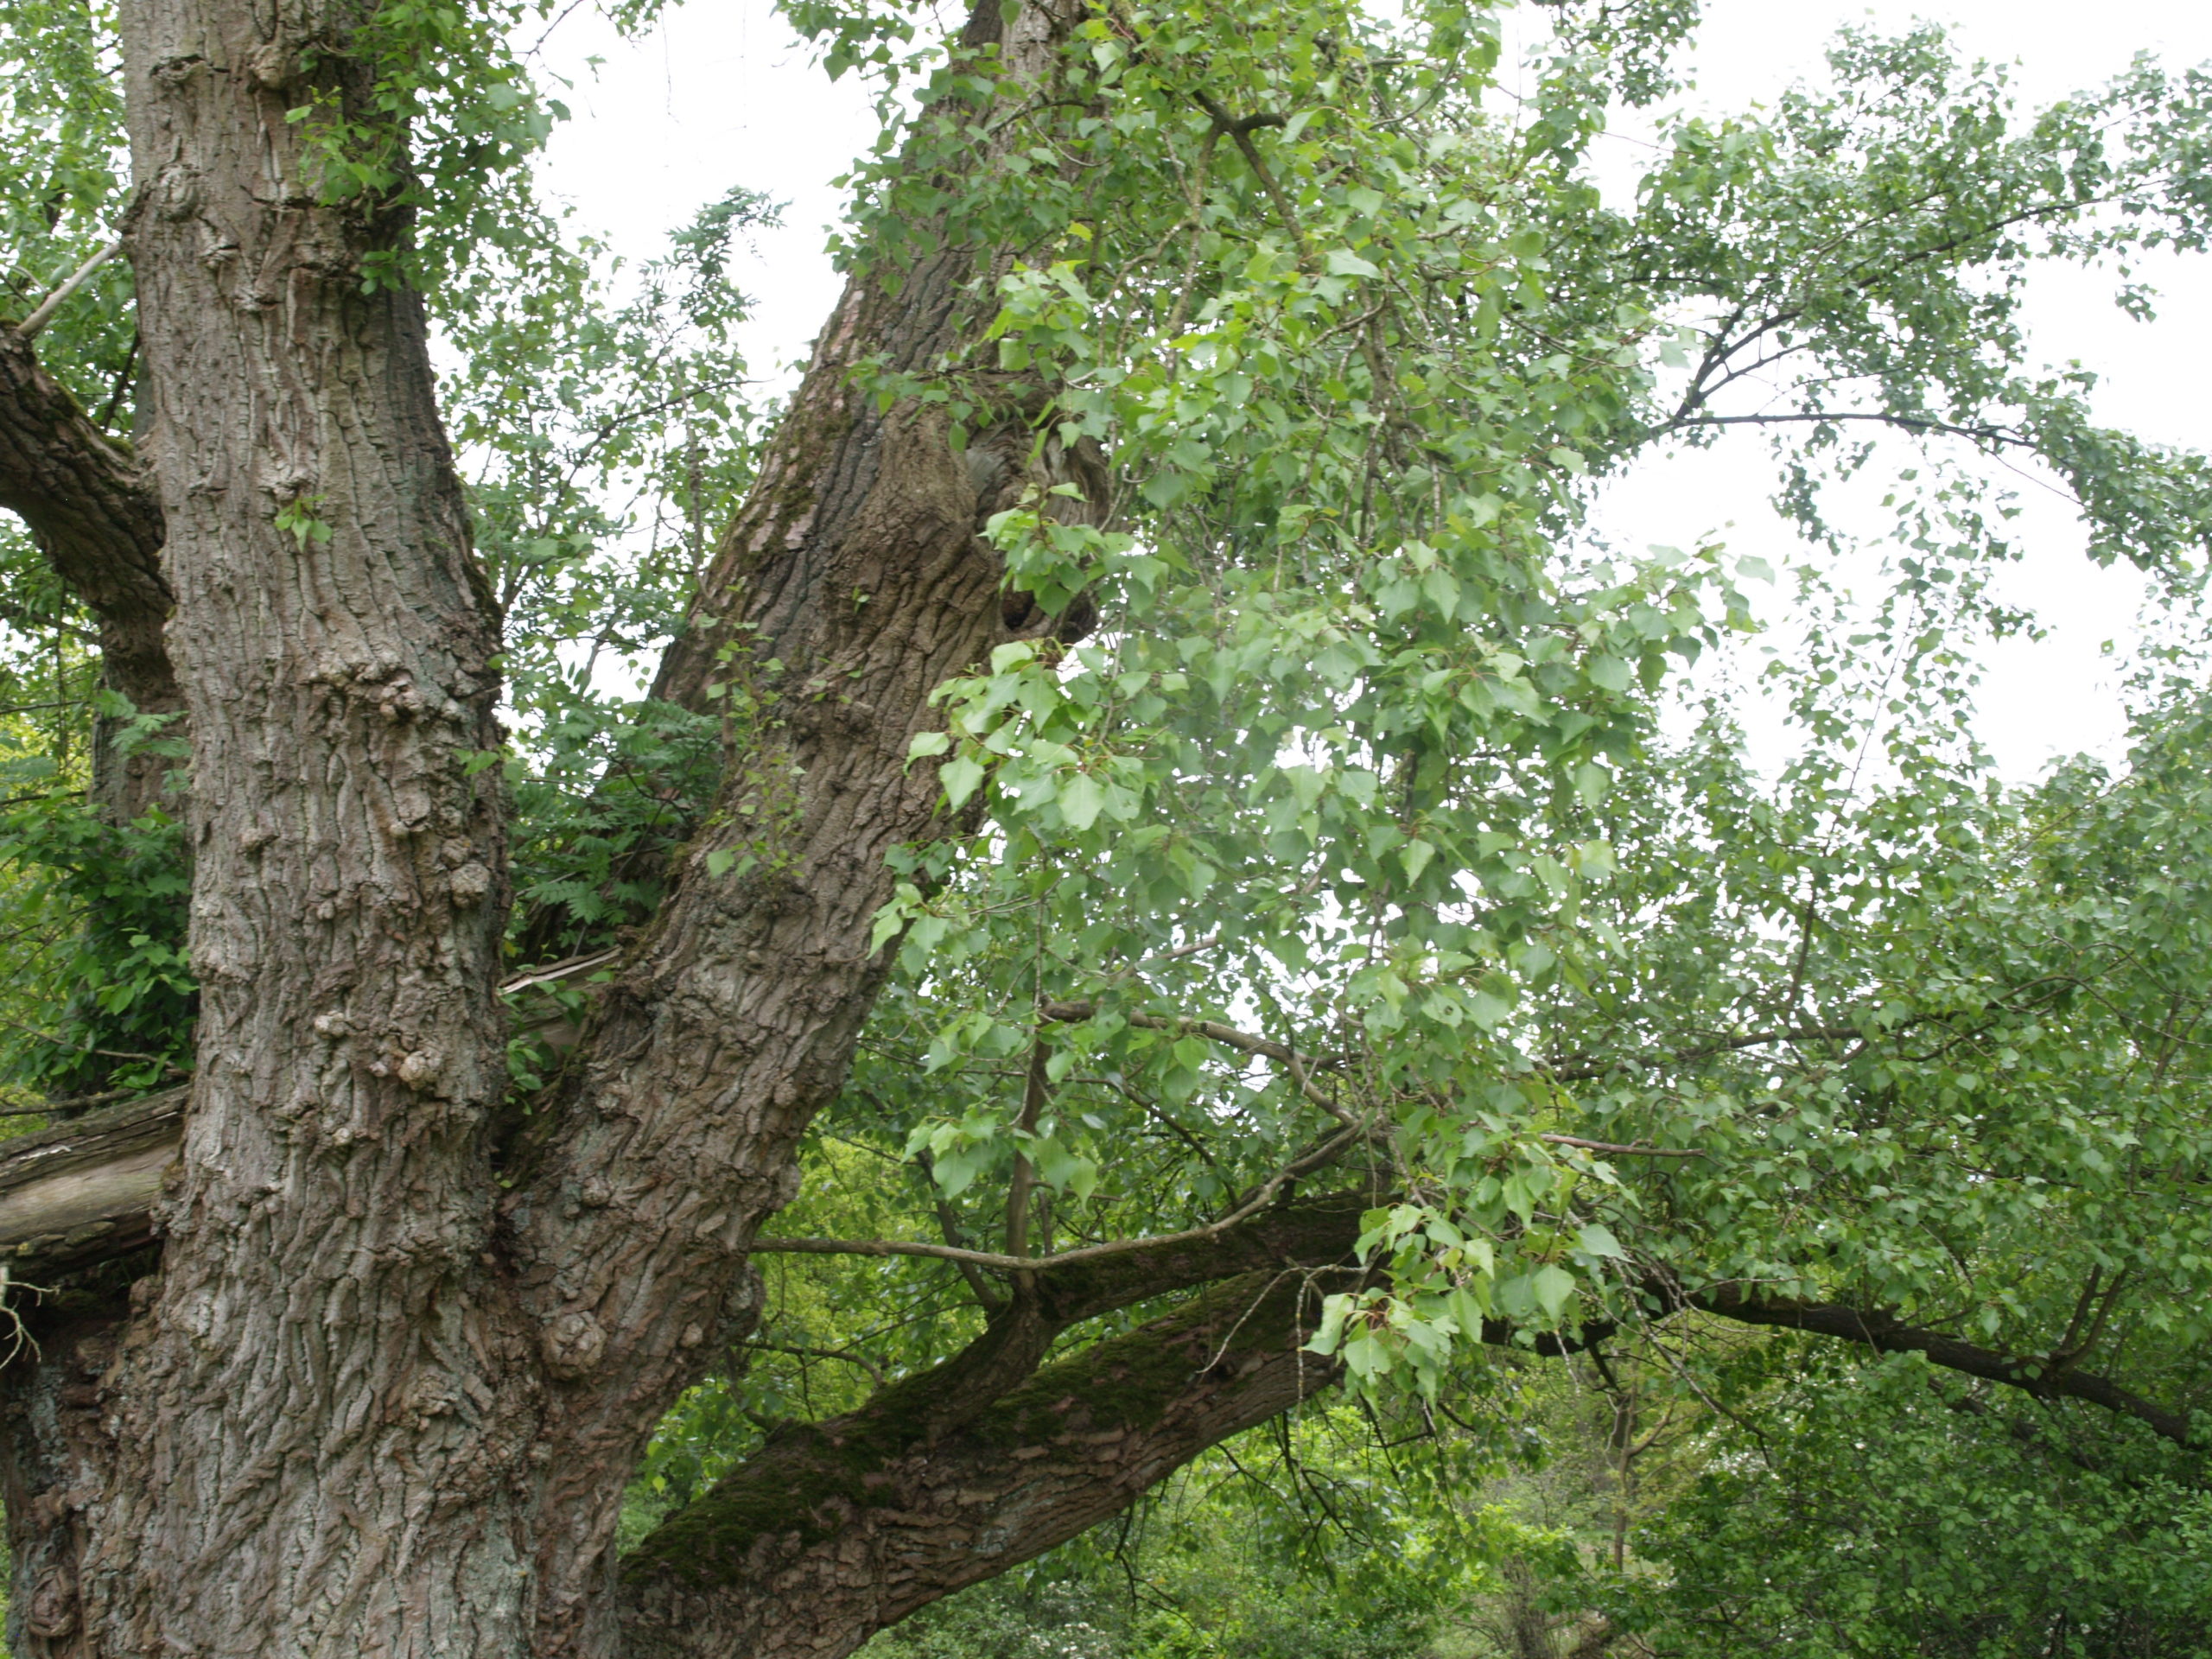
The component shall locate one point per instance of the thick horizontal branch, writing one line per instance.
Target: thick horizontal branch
(2043, 1377)
(1326, 1230)
(85, 1191)
(1312, 1237)
(838, 1529)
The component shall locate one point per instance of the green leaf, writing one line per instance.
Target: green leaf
(1610, 672)
(1081, 798)
(1554, 1286)
(959, 778)
(1415, 856)
(1598, 1240)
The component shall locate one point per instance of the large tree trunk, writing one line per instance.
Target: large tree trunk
(856, 568)
(312, 1435)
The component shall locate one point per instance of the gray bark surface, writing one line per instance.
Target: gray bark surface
(355, 1411)
(316, 1424)
(855, 565)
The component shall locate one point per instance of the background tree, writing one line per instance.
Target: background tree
(1149, 789)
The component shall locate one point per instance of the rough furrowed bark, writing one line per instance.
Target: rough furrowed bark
(314, 1435)
(95, 513)
(838, 1529)
(852, 584)
(835, 1530)
(316, 1427)
(1312, 1237)
(58, 1451)
(357, 1410)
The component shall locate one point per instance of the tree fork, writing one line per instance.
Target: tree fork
(376, 1399)
(334, 1152)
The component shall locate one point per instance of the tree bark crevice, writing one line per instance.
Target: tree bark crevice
(319, 1417)
(380, 1395)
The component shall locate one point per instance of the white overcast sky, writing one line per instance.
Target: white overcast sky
(721, 94)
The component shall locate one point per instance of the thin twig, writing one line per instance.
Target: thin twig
(552, 971)
(28, 327)
(948, 1222)
(1240, 130)
(1623, 1151)
(802, 1352)
(105, 1053)
(1228, 1036)
(1325, 1152)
